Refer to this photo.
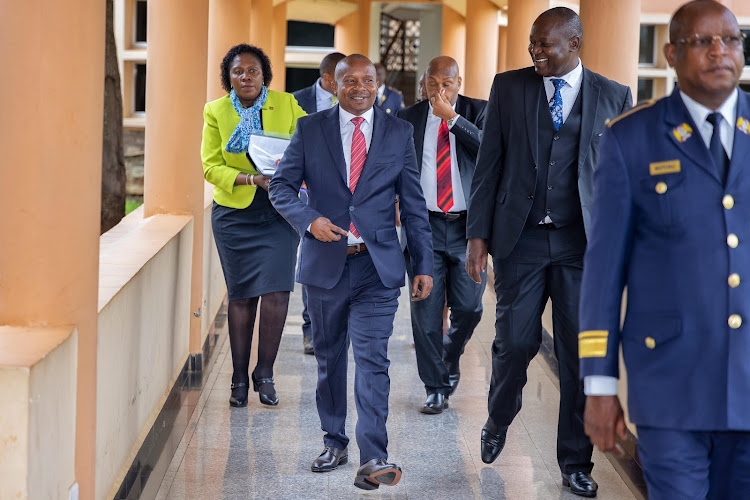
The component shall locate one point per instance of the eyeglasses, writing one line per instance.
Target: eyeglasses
(698, 41)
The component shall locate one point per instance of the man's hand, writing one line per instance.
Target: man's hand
(421, 287)
(603, 421)
(476, 258)
(262, 181)
(325, 230)
(441, 106)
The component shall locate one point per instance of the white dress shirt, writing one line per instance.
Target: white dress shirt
(347, 131)
(429, 166)
(381, 91)
(323, 99)
(600, 385)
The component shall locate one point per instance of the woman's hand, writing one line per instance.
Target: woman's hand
(262, 181)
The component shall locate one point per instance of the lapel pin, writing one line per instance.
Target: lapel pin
(744, 125)
(682, 132)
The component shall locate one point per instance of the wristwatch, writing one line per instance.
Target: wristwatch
(451, 121)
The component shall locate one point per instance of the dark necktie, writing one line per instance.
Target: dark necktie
(721, 160)
(444, 181)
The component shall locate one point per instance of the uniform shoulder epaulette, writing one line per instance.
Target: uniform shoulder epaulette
(638, 107)
(394, 89)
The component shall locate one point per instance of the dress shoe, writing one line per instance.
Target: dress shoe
(436, 402)
(492, 444)
(330, 459)
(266, 398)
(239, 395)
(454, 375)
(307, 345)
(376, 472)
(580, 483)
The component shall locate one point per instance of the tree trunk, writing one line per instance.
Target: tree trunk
(113, 162)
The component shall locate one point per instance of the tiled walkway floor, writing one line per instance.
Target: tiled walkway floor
(262, 452)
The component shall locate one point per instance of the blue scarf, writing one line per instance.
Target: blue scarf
(249, 122)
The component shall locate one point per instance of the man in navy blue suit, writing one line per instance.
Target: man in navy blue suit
(670, 222)
(389, 99)
(355, 160)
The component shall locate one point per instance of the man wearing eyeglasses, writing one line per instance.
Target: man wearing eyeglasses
(670, 221)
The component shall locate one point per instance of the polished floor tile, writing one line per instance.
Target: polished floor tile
(263, 452)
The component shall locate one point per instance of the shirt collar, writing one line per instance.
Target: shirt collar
(381, 90)
(699, 112)
(321, 92)
(572, 78)
(345, 117)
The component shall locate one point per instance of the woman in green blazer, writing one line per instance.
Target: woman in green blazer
(257, 247)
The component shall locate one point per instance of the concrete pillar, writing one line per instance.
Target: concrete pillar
(50, 184)
(481, 48)
(607, 22)
(352, 32)
(454, 37)
(521, 15)
(173, 183)
(261, 24)
(278, 47)
(228, 25)
(502, 45)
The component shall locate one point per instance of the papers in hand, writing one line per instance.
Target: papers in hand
(266, 149)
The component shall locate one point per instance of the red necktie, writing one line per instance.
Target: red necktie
(444, 182)
(359, 154)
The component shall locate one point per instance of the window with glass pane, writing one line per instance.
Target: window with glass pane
(139, 35)
(647, 44)
(139, 88)
(747, 46)
(645, 89)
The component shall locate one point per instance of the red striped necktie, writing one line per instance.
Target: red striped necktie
(359, 154)
(444, 181)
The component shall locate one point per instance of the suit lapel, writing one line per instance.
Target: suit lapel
(332, 134)
(419, 130)
(531, 107)
(741, 147)
(691, 145)
(377, 145)
(590, 94)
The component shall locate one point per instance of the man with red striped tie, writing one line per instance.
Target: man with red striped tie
(355, 160)
(447, 132)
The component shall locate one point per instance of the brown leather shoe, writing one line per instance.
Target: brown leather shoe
(375, 472)
(330, 459)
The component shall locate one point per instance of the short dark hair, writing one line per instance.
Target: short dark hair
(567, 18)
(243, 48)
(329, 62)
(688, 11)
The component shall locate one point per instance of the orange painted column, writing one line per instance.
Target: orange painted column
(454, 37)
(50, 184)
(481, 48)
(502, 45)
(228, 25)
(352, 32)
(261, 25)
(521, 15)
(278, 48)
(173, 183)
(605, 23)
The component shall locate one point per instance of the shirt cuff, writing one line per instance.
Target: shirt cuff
(308, 228)
(599, 385)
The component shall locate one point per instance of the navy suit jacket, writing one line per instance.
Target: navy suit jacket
(316, 156)
(307, 99)
(662, 226)
(505, 177)
(391, 101)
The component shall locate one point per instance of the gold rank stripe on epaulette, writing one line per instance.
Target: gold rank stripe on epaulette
(638, 107)
(592, 344)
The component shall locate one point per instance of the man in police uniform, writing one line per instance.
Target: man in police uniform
(389, 99)
(670, 222)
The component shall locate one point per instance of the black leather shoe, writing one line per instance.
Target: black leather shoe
(454, 375)
(307, 345)
(376, 472)
(266, 398)
(330, 459)
(239, 395)
(580, 483)
(436, 402)
(492, 444)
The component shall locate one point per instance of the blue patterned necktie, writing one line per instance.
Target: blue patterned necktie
(556, 104)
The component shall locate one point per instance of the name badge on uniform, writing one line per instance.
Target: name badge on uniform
(682, 132)
(743, 124)
(664, 167)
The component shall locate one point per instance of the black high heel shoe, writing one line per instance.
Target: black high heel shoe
(239, 395)
(268, 399)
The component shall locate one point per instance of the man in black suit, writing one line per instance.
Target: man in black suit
(529, 208)
(447, 131)
(317, 97)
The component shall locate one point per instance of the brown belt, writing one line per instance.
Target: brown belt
(356, 249)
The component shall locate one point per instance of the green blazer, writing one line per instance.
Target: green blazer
(220, 168)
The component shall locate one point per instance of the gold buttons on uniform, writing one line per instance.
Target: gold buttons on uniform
(732, 240)
(734, 280)
(735, 321)
(650, 342)
(661, 187)
(728, 201)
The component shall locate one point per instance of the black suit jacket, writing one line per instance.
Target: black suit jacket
(467, 130)
(306, 98)
(505, 177)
